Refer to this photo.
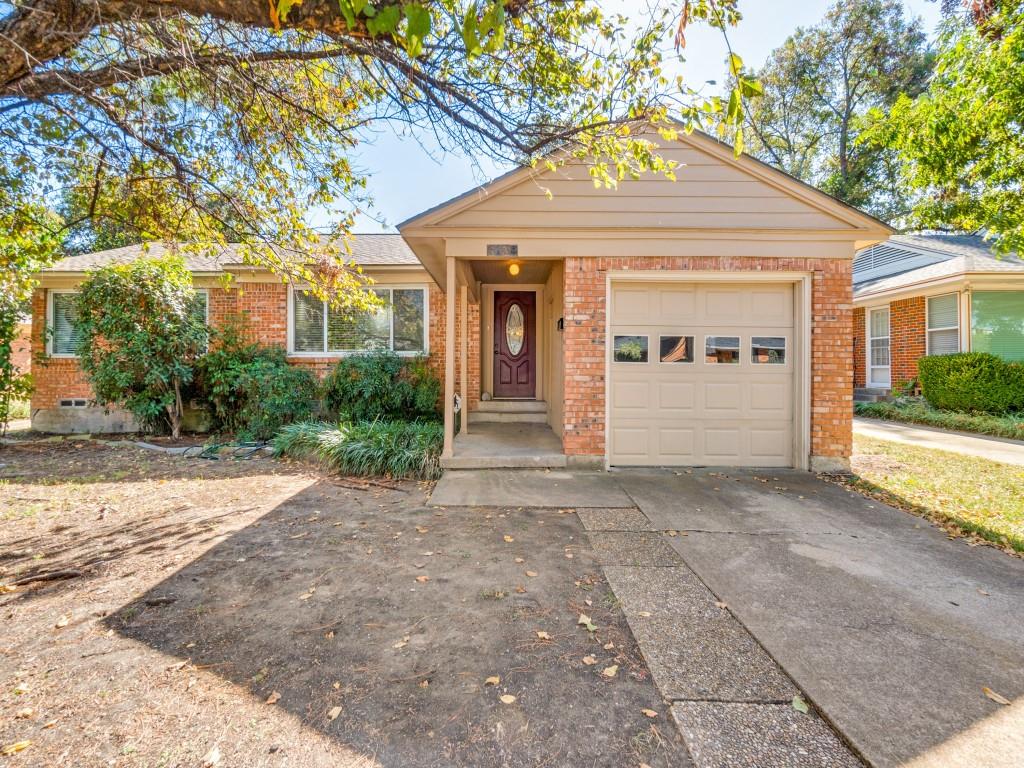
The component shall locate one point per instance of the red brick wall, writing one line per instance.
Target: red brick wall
(21, 349)
(906, 338)
(832, 374)
(264, 307)
(859, 348)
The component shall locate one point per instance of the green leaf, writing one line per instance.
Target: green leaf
(800, 705)
(348, 11)
(284, 6)
(735, 65)
(470, 33)
(417, 27)
(385, 21)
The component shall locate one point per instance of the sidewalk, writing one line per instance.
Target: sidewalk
(983, 446)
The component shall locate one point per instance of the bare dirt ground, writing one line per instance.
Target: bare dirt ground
(257, 613)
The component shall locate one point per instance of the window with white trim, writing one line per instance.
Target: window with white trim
(63, 333)
(943, 324)
(400, 325)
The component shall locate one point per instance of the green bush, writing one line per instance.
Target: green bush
(399, 449)
(972, 382)
(382, 385)
(251, 389)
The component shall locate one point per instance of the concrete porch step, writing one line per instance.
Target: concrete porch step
(540, 461)
(506, 446)
(870, 395)
(510, 412)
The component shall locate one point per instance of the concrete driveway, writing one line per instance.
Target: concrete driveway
(887, 626)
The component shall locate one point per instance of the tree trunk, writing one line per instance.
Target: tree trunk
(175, 411)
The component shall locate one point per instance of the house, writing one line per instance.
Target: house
(932, 294)
(706, 321)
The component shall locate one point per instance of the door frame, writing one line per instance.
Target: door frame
(487, 332)
(802, 304)
(868, 381)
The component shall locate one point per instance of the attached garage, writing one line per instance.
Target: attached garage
(705, 372)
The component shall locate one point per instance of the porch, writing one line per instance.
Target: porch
(503, 445)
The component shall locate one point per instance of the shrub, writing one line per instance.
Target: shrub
(972, 382)
(382, 385)
(140, 336)
(251, 389)
(399, 449)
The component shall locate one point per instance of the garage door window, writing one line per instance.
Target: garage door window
(630, 349)
(768, 350)
(722, 349)
(676, 349)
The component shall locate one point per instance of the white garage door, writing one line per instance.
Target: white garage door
(702, 374)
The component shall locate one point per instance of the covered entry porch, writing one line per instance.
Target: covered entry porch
(503, 373)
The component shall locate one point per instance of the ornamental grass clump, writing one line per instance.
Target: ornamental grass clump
(398, 449)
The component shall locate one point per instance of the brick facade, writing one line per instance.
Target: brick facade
(831, 362)
(906, 338)
(860, 348)
(264, 307)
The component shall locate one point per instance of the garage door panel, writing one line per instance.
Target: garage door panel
(686, 411)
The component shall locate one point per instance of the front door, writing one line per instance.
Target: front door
(515, 344)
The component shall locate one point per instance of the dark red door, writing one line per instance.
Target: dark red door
(515, 344)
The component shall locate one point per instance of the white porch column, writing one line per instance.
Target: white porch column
(464, 357)
(449, 356)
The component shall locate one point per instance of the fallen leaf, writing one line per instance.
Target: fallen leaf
(720, 604)
(508, 699)
(62, 621)
(569, 555)
(672, 533)
(531, 574)
(649, 713)
(508, 539)
(424, 683)
(6, 588)
(543, 635)
(49, 724)
(520, 589)
(494, 680)
(982, 592)
(610, 671)
(420, 565)
(590, 660)
(25, 713)
(421, 529)
(333, 714)
(13, 749)
(644, 614)
(608, 646)
(520, 560)
(273, 698)
(422, 579)
(588, 602)
(585, 621)
(212, 757)
(402, 643)
(337, 685)
(800, 705)
(996, 697)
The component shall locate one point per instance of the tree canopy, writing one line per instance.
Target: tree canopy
(961, 143)
(208, 121)
(819, 85)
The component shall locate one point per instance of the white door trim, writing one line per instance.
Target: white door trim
(802, 283)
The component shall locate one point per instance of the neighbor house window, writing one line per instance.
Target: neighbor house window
(63, 326)
(997, 323)
(400, 325)
(768, 350)
(943, 324)
(676, 349)
(721, 349)
(630, 349)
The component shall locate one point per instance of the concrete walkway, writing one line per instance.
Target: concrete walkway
(890, 629)
(993, 448)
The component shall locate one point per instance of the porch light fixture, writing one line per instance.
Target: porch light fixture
(513, 269)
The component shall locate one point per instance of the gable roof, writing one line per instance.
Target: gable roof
(702, 142)
(368, 250)
(919, 258)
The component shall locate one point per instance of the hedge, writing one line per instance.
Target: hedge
(972, 382)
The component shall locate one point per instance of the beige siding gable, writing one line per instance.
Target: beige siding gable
(713, 191)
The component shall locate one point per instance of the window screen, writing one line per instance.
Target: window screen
(943, 324)
(997, 323)
(62, 324)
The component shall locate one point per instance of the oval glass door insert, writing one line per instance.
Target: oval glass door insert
(514, 327)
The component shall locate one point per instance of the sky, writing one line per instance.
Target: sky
(406, 176)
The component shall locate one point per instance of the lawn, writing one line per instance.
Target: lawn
(266, 614)
(964, 494)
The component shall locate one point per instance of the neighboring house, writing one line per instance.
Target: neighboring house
(700, 322)
(932, 294)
